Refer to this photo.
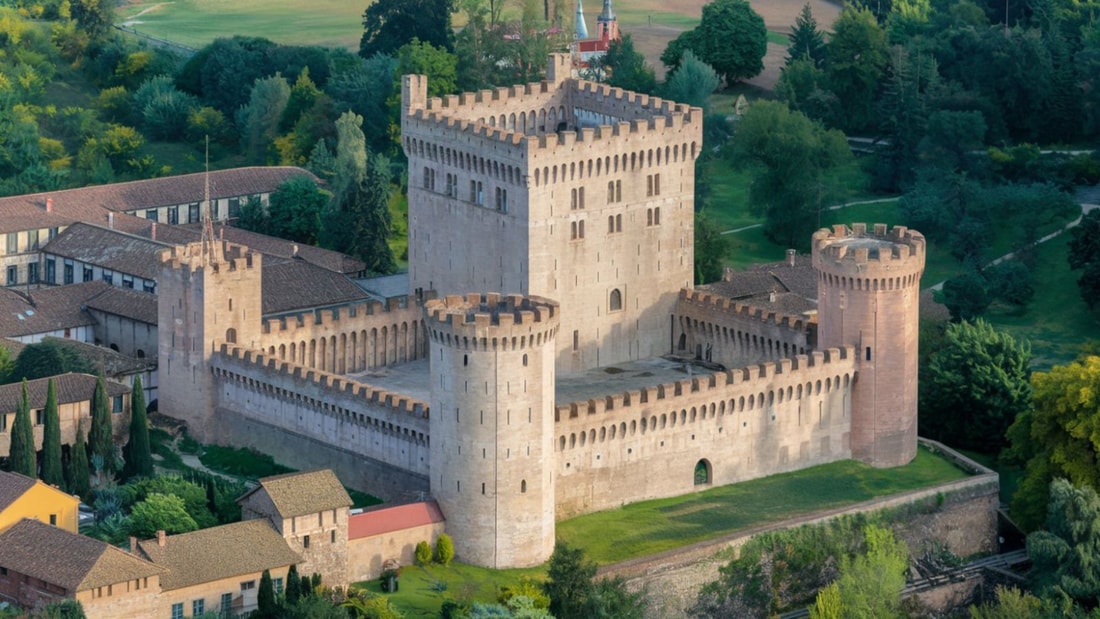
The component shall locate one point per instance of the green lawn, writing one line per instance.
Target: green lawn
(649, 527)
(331, 23)
(422, 590)
(654, 526)
(1057, 321)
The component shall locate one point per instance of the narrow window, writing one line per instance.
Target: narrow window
(576, 340)
(867, 353)
(523, 486)
(305, 541)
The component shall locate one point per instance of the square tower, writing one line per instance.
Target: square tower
(565, 189)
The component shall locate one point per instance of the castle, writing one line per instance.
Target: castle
(540, 364)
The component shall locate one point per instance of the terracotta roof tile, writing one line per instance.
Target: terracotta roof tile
(225, 551)
(282, 248)
(390, 519)
(91, 204)
(13, 486)
(110, 249)
(290, 285)
(71, 561)
(46, 309)
(70, 388)
(132, 304)
(296, 494)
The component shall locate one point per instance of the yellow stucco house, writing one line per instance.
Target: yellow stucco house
(22, 497)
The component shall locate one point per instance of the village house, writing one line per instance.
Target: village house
(23, 497)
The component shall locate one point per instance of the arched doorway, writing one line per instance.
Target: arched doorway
(703, 472)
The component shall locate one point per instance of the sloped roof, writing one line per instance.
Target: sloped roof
(68, 560)
(282, 248)
(225, 551)
(295, 284)
(795, 286)
(390, 519)
(13, 486)
(132, 304)
(91, 204)
(46, 309)
(309, 492)
(110, 249)
(70, 388)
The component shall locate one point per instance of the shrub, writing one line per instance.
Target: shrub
(444, 549)
(423, 553)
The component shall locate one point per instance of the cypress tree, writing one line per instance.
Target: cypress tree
(22, 455)
(293, 586)
(51, 440)
(139, 458)
(78, 464)
(265, 598)
(101, 437)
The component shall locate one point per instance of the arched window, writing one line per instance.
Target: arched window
(616, 301)
(523, 485)
(231, 336)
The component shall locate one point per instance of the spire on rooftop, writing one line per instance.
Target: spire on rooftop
(607, 14)
(582, 28)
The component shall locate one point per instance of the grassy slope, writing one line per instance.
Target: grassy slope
(333, 23)
(653, 526)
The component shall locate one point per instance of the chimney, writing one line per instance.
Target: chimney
(293, 250)
(153, 231)
(49, 204)
(791, 256)
(111, 220)
(133, 545)
(161, 538)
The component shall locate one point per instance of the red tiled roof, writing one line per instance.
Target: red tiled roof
(90, 204)
(389, 519)
(46, 309)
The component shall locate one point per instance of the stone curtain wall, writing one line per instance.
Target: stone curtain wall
(743, 424)
(348, 339)
(385, 432)
(737, 334)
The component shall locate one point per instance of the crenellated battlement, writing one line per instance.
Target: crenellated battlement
(864, 254)
(488, 321)
(274, 369)
(338, 317)
(791, 372)
(215, 254)
(730, 307)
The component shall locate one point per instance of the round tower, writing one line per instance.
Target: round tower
(491, 426)
(867, 294)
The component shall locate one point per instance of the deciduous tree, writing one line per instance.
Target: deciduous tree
(857, 60)
(52, 472)
(794, 164)
(870, 584)
(625, 67)
(47, 358)
(160, 512)
(259, 118)
(295, 210)
(974, 386)
(1058, 437)
(22, 456)
(390, 24)
(710, 249)
(1064, 555)
(731, 38)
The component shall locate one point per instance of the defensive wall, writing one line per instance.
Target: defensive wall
(376, 440)
(350, 338)
(737, 334)
(741, 424)
(961, 515)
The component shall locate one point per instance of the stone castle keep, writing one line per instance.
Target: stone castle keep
(540, 365)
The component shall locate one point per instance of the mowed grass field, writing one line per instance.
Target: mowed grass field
(338, 23)
(194, 23)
